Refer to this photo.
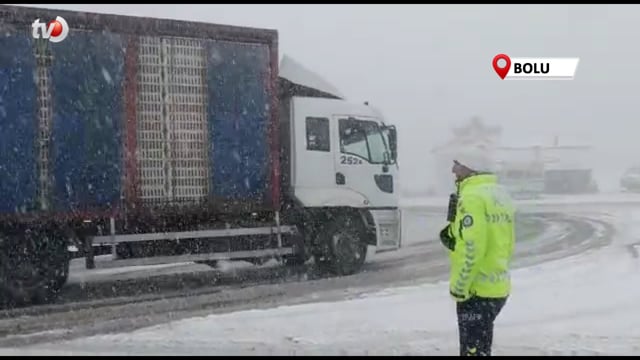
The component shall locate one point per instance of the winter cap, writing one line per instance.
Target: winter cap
(476, 158)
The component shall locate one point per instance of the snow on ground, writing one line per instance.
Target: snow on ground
(77, 268)
(79, 274)
(583, 305)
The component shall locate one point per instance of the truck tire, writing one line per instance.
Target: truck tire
(343, 248)
(34, 266)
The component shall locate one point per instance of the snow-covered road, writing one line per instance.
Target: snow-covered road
(583, 304)
(579, 306)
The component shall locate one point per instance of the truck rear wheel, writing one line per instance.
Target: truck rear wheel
(34, 266)
(343, 249)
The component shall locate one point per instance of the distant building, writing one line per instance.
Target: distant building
(533, 170)
(527, 170)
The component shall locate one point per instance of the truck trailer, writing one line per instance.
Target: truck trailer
(176, 141)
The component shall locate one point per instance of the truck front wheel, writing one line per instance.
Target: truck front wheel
(34, 266)
(343, 249)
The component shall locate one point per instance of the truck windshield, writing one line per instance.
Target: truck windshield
(364, 139)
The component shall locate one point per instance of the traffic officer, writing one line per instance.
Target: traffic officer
(480, 238)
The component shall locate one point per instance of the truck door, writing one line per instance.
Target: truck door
(364, 165)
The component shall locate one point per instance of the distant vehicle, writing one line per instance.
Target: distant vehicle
(168, 141)
(630, 180)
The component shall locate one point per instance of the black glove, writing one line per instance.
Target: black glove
(446, 239)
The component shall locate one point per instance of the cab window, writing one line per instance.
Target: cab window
(318, 134)
(362, 138)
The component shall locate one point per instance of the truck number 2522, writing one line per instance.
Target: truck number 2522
(350, 160)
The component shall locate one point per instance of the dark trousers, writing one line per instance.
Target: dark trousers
(475, 324)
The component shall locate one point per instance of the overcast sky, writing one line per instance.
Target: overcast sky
(428, 67)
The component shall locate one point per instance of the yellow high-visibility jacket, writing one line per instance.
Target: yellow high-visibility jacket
(484, 235)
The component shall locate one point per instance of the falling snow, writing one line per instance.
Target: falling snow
(106, 76)
(564, 306)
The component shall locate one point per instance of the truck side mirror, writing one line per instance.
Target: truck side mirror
(393, 142)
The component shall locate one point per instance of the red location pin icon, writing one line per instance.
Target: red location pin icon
(501, 71)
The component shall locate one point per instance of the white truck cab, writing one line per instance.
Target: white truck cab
(343, 155)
